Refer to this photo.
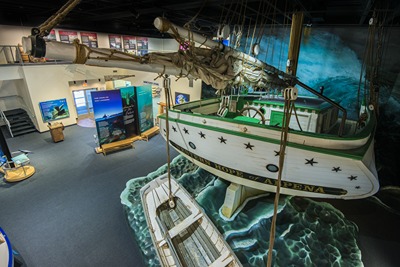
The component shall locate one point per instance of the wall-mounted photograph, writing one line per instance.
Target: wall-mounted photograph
(181, 98)
(54, 109)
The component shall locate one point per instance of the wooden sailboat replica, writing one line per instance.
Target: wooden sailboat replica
(182, 235)
(237, 137)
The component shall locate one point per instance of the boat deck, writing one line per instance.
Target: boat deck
(193, 246)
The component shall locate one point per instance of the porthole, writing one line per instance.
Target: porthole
(263, 111)
(272, 168)
(192, 145)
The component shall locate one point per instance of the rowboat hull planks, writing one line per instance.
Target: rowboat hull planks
(184, 235)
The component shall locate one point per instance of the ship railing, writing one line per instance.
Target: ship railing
(12, 55)
(330, 101)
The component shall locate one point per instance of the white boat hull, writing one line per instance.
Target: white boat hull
(187, 237)
(248, 155)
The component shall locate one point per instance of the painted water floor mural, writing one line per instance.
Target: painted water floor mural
(309, 233)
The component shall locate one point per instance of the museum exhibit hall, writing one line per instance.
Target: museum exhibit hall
(199, 133)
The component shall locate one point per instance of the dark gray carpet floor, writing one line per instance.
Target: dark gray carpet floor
(69, 212)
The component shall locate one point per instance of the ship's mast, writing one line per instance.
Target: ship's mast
(294, 43)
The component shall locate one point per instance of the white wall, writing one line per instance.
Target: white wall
(48, 82)
(12, 35)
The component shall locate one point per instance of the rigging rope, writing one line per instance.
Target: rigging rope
(45, 28)
(167, 81)
(288, 106)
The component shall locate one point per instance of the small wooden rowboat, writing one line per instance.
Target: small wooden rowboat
(183, 235)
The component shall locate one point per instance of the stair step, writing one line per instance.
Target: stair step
(21, 123)
(14, 112)
(18, 119)
(13, 129)
(24, 132)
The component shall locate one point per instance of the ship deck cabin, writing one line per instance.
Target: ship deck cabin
(311, 114)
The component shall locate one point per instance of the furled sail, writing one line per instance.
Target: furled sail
(213, 63)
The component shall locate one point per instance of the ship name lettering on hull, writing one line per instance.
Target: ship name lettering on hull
(260, 179)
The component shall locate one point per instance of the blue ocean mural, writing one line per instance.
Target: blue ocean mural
(309, 233)
(108, 115)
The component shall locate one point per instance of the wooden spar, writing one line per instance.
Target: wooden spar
(67, 52)
(163, 25)
(294, 43)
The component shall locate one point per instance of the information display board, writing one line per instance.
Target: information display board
(108, 115)
(54, 109)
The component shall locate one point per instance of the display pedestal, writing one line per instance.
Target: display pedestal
(21, 170)
(235, 195)
(56, 131)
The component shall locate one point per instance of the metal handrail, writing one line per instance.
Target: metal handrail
(12, 54)
(4, 118)
(22, 104)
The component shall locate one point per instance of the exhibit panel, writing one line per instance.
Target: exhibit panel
(145, 107)
(108, 115)
(130, 110)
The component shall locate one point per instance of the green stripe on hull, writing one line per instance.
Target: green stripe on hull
(356, 154)
(264, 180)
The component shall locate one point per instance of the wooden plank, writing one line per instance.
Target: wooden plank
(150, 133)
(118, 145)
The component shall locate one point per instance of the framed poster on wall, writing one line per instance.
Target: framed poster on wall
(51, 36)
(115, 41)
(68, 36)
(142, 44)
(108, 115)
(89, 39)
(54, 109)
(129, 44)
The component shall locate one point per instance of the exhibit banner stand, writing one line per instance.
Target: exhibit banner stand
(122, 117)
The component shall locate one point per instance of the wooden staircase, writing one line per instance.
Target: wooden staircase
(20, 122)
